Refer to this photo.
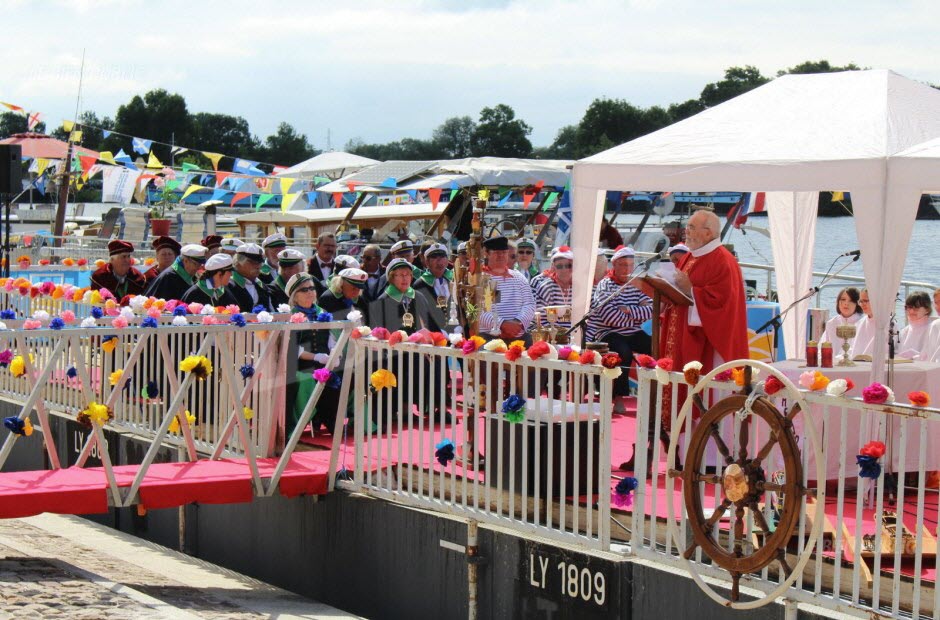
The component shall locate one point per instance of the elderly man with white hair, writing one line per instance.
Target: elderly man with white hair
(552, 287)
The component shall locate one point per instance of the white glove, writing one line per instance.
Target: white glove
(321, 358)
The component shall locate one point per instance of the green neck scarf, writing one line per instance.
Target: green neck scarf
(397, 295)
(177, 267)
(429, 278)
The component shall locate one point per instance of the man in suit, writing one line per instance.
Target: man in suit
(118, 275)
(321, 265)
(173, 282)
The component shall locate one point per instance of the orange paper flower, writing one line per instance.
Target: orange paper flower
(919, 399)
(820, 381)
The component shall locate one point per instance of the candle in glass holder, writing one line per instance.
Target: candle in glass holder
(812, 353)
(826, 355)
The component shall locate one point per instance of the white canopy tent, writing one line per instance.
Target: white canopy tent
(919, 164)
(333, 164)
(792, 137)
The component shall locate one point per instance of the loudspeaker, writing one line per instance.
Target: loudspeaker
(11, 169)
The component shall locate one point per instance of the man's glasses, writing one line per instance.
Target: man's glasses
(562, 267)
(524, 252)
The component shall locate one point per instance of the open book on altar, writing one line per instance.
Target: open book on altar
(867, 358)
(665, 285)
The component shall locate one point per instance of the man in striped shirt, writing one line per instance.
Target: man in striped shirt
(512, 315)
(617, 322)
(553, 286)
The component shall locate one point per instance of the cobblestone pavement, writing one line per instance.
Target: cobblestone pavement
(54, 566)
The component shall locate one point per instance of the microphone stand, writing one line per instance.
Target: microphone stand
(642, 270)
(777, 320)
(891, 479)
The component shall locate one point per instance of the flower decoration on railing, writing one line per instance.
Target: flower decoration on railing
(198, 365)
(472, 344)
(772, 385)
(838, 387)
(877, 394)
(514, 408)
(540, 349)
(380, 333)
(24, 260)
(248, 413)
(150, 391)
(496, 345)
(611, 363)
(445, 451)
(691, 372)
(82, 262)
(32, 324)
(360, 332)
(180, 310)
(622, 497)
(383, 378)
(71, 373)
(867, 459)
(322, 375)
(724, 375)
(149, 322)
(397, 337)
(568, 353)
(175, 424)
(18, 365)
(590, 357)
(324, 317)
(97, 313)
(96, 413)
(115, 377)
(663, 368)
(67, 316)
(919, 399)
(238, 320)
(109, 344)
(738, 374)
(68, 262)
(23, 428)
(515, 350)
(7, 315)
(6, 356)
(100, 263)
(298, 317)
(645, 361)
(814, 380)
(422, 336)
(247, 371)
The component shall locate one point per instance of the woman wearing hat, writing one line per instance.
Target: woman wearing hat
(307, 352)
(399, 307)
(211, 287)
(525, 259)
(553, 286)
(345, 293)
(167, 249)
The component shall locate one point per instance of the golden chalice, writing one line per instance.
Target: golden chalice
(846, 332)
(554, 315)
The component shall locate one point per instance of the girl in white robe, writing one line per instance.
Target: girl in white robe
(848, 312)
(913, 338)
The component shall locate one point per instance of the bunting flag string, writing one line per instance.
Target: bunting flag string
(434, 195)
(262, 200)
(288, 200)
(238, 196)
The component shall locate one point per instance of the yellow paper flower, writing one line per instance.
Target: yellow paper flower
(98, 413)
(160, 304)
(109, 345)
(27, 427)
(479, 341)
(517, 343)
(175, 424)
(110, 304)
(248, 412)
(199, 365)
(383, 379)
(820, 381)
(18, 366)
(496, 345)
(115, 377)
(95, 298)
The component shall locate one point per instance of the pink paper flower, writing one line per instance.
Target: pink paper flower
(322, 375)
(724, 375)
(298, 317)
(154, 312)
(194, 308)
(46, 288)
(171, 305)
(380, 333)
(32, 324)
(105, 294)
(875, 394)
(119, 322)
(68, 316)
(396, 337)
(232, 309)
(8, 285)
(563, 352)
(209, 319)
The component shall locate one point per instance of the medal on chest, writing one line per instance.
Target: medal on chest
(407, 319)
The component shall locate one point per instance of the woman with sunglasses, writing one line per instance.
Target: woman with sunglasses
(307, 352)
(212, 286)
(525, 259)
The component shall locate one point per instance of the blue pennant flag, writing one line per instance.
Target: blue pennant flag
(123, 158)
(389, 182)
(219, 194)
(244, 166)
(105, 133)
(141, 145)
(311, 198)
(504, 199)
(413, 193)
(40, 184)
(453, 185)
(564, 217)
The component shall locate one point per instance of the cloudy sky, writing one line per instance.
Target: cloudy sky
(383, 70)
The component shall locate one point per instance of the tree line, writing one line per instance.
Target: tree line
(165, 117)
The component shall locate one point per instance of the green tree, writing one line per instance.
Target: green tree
(454, 137)
(223, 133)
(680, 111)
(738, 80)
(609, 122)
(500, 134)
(11, 123)
(565, 145)
(159, 116)
(286, 146)
(818, 66)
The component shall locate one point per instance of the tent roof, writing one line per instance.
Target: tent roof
(797, 132)
(39, 145)
(307, 216)
(332, 164)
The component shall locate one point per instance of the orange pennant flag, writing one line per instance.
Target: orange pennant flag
(220, 177)
(434, 194)
(238, 197)
(352, 185)
(337, 199)
(527, 198)
(87, 162)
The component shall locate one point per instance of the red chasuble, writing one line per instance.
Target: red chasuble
(718, 289)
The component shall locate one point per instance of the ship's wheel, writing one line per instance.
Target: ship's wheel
(743, 535)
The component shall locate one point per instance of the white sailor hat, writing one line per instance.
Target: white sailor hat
(563, 252)
(277, 240)
(525, 243)
(396, 263)
(344, 261)
(297, 281)
(679, 247)
(462, 247)
(623, 252)
(231, 244)
(194, 251)
(436, 249)
(356, 277)
(250, 251)
(219, 261)
(402, 247)
(290, 256)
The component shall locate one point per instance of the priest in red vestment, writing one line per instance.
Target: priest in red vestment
(714, 329)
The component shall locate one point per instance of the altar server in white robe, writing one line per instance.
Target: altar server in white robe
(864, 328)
(913, 338)
(848, 312)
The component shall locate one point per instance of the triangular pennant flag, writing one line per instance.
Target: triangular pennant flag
(190, 190)
(311, 198)
(87, 161)
(105, 133)
(32, 119)
(548, 201)
(141, 145)
(40, 184)
(276, 170)
(389, 182)
(352, 185)
(434, 195)
(453, 193)
(220, 177)
(188, 167)
(243, 166)
(505, 198)
(337, 199)
(288, 200)
(453, 185)
(219, 194)
(214, 158)
(67, 126)
(320, 180)
(483, 194)
(16, 108)
(106, 156)
(413, 193)
(285, 184)
(178, 150)
(41, 165)
(153, 162)
(539, 185)
(172, 184)
(123, 157)
(263, 199)
(95, 169)
(238, 197)
(75, 136)
(527, 198)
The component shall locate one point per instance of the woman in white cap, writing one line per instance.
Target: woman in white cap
(553, 286)
(399, 307)
(211, 287)
(308, 351)
(345, 293)
(525, 259)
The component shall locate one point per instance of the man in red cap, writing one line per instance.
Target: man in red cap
(118, 276)
(167, 249)
(213, 243)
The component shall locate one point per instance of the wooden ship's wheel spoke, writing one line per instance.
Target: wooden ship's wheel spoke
(715, 433)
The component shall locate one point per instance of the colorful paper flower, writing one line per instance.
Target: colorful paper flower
(919, 399)
(644, 361)
(383, 378)
(622, 496)
(470, 345)
(247, 371)
(324, 317)
(283, 308)
(97, 313)
(514, 408)
(724, 375)
(115, 377)
(81, 262)
(248, 412)
(238, 320)
(32, 324)
(72, 372)
(198, 365)
(7, 315)
(592, 357)
(438, 339)
(444, 452)
(322, 375)
(23, 428)
(175, 424)
(665, 363)
(515, 351)
(397, 337)
(150, 390)
(772, 385)
(877, 394)
(497, 345)
(67, 316)
(119, 322)
(354, 316)
(18, 366)
(422, 336)
(264, 317)
(98, 413)
(379, 333)
(691, 372)
(109, 344)
(69, 262)
(538, 349)
(149, 322)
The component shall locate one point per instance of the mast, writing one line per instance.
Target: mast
(65, 179)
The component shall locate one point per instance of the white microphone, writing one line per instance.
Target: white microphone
(854, 253)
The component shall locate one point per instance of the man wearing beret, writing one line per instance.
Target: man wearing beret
(245, 287)
(173, 283)
(271, 245)
(435, 282)
(290, 263)
(213, 244)
(167, 249)
(119, 276)
(512, 315)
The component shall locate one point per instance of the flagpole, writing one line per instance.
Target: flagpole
(58, 228)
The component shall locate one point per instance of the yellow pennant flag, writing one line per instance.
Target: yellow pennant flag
(288, 200)
(285, 185)
(107, 156)
(153, 162)
(67, 126)
(41, 165)
(836, 196)
(75, 136)
(214, 158)
(190, 190)
(483, 194)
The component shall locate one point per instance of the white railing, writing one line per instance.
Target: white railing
(548, 475)
(856, 570)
